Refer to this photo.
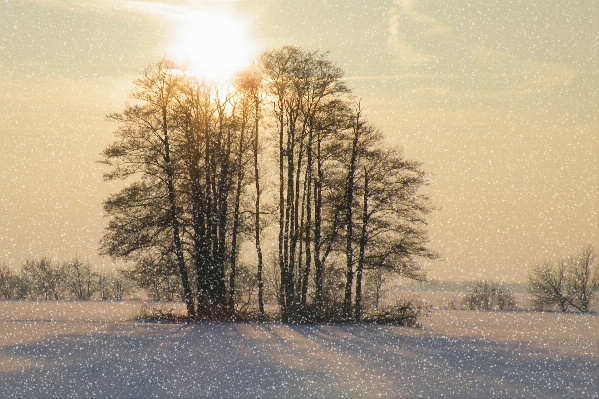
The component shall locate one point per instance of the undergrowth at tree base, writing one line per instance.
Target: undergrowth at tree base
(160, 314)
(405, 312)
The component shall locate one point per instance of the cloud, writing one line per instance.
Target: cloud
(155, 8)
(433, 27)
(162, 9)
(402, 15)
(514, 77)
(406, 55)
(73, 5)
(435, 54)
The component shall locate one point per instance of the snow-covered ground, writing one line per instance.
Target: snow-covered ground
(94, 349)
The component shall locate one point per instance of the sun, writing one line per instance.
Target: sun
(212, 46)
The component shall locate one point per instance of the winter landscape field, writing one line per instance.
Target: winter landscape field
(98, 349)
(299, 199)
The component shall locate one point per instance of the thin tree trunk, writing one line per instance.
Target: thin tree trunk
(174, 219)
(318, 273)
(296, 230)
(282, 266)
(289, 257)
(234, 233)
(349, 274)
(358, 309)
(300, 239)
(224, 183)
(206, 281)
(287, 275)
(308, 184)
(317, 244)
(257, 217)
(196, 199)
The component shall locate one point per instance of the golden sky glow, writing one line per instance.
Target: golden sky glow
(499, 99)
(211, 45)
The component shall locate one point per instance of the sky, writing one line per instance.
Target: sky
(498, 99)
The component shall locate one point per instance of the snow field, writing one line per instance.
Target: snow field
(95, 349)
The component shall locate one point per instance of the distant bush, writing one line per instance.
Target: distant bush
(406, 312)
(452, 304)
(487, 295)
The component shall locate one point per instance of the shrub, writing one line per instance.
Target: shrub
(486, 295)
(330, 313)
(159, 314)
(405, 312)
(452, 304)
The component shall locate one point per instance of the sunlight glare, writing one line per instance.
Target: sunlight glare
(212, 46)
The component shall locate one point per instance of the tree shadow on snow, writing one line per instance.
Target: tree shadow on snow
(253, 360)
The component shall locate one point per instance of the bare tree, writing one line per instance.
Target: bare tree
(583, 279)
(45, 278)
(12, 285)
(547, 284)
(393, 233)
(298, 86)
(569, 283)
(358, 130)
(375, 286)
(80, 279)
(157, 275)
(113, 286)
(145, 149)
(249, 84)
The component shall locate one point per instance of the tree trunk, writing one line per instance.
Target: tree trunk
(308, 184)
(223, 188)
(174, 219)
(359, 271)
(318, 274)
(257, 216)
(297, 224)
(287, 256)
(282, 266)
(349, 274)
(234, 233)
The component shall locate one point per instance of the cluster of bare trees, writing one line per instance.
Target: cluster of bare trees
(45, 279)
(570, 283)
(283, 153)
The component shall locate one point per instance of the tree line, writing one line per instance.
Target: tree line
(282, 155)
(46, 279)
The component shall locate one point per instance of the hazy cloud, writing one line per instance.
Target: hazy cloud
(404, 13)
(454, 58)
(518, 77)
